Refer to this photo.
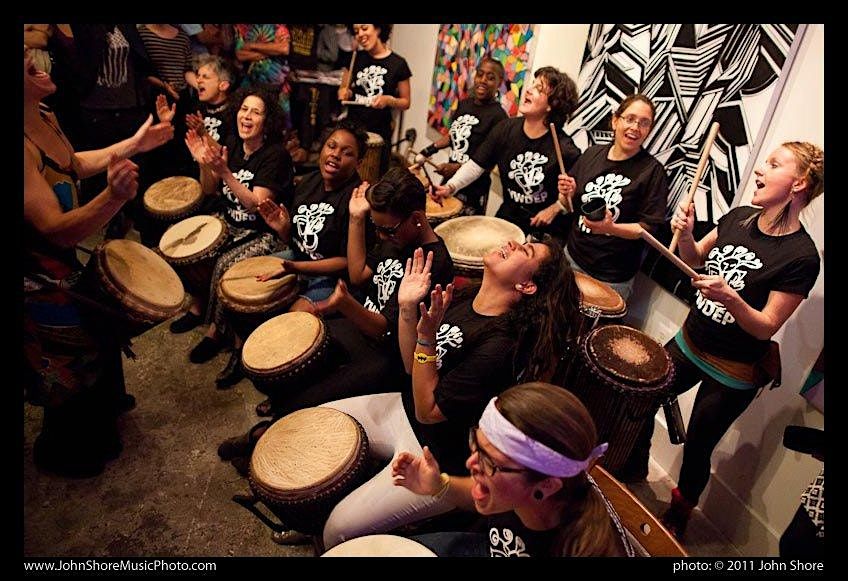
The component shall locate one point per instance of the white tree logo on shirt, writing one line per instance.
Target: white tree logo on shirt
(310, 221)
(732, 263)
(447, 336)
(244, 176)
(389, 272)
(526, 170)
(212, 124)
(371, 79)
(506, 544)
(460, 131)
(609, 188)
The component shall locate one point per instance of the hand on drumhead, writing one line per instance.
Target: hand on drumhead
(416, 279)
(419, 474)
(163, 112)
(279, 272)
(545, 217)
(358, 205)
(274, 214)
(684, 219)
(431, 318)
(442, 192)
(715, 288)
(122, 178)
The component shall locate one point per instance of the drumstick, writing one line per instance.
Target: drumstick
(702, 165)
(350, 69)
(568, 205)
(355, 103)
(426, 159)
(88, 251)
(646, 236)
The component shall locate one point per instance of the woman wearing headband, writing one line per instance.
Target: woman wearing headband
(529, 463)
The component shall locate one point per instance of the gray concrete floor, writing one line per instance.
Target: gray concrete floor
(168, 494)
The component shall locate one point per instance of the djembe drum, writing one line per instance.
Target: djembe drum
(470, 238)
(172, 199)
(192, 246)
(305, 463)
(281, 350)
(599, 302)
(369, 169)
(380, 546)
(621, 375)
(451, 208)
(249, 302)
(132, 279)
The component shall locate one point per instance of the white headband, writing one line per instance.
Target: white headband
(523, 449)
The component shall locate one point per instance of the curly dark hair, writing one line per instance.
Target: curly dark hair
(354, 128)
(398, 192)
(384, 34)
(562, 95)
(274, 123)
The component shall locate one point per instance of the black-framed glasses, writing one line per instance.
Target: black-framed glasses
(388, 230)
(487, 465)
(633, 120)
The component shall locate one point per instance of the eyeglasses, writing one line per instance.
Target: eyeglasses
(388, 230)
(633, 120)
(487, 465)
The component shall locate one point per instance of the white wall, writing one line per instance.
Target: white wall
(756, 484)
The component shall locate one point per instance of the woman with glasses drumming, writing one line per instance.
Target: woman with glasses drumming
(461, 351)
(634, 186)
(530, 457)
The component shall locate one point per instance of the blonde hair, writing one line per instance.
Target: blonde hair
(810, 160)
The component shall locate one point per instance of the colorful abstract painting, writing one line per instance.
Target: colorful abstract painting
(460, 48)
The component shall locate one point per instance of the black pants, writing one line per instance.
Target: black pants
(716, 408)
(354, 365)
(799, 540)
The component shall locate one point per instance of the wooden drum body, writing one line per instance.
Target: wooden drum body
(305, 463)
(134, 280)
(250, 302)
(622, 376)
(192, 246)
(369, 169)
(281, 350)
(451, 208)
(599, 302)
(470, 238)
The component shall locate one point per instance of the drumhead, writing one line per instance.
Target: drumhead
(596, 293)
(470, 238)
(239, 282)
(142, 274)
(282, 341)
(628, 354)
(192, 237)
(375, 139)
(173, 196)
(450, 207)
(380, 546)
(304, 451)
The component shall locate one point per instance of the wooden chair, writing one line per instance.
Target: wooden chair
(642, 526)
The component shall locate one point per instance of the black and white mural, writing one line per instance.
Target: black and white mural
(695, 74)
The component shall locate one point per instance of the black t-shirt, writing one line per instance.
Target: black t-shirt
(320, 218)
(508, 537)
(218, 120)
(475, 363)
(269, 167)
(372, 77)
(470, 125)
(388, 262)
(635, 190)
(753, 264)
(528, 168)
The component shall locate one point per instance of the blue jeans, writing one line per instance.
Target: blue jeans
(317, 287)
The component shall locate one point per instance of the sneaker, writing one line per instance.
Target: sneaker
(677, 516)
(232, 373)
(185, 323)
(205, 350)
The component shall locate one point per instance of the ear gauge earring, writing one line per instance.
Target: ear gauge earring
(537, 494)
(418, 224)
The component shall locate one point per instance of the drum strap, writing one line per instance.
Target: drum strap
(63, 286)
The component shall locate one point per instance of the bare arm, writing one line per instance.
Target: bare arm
(334, 265)
(148, 136)
(425, 376)
(693, 253)
(368, 323)
(421, 475)
(277, 48)
(358, 271)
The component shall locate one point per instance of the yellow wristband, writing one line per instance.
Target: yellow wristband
(424, 358)
(444, 479)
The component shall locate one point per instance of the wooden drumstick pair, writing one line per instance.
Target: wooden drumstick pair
(569, 207)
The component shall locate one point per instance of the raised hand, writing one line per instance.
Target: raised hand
(122, 178)
(194, 121)
(358, 205)
(431, 318)
(151, 136)
(416, 279)
(274, 214)
(684, 219)
(163, 112)
(419, 474)
(566, 185)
